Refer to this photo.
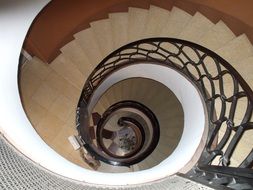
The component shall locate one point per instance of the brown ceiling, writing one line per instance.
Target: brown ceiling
(60, 19)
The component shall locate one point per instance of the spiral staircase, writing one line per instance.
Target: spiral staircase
(109, 81)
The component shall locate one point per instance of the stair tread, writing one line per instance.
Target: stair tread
(62, 108)
(35, 111)
(75, 53)
(110, 96)
(38, 67)
(30, 80)
(104, 100)
(119, 22)
(116, 93)
(245, 68)
(247, 65)
(99, 108)
(157, 18)
(103, 33)
(148, 163)
(68, 70)
(89, 44)
(217, 36)
(113, 169)
(176, 22)
(56, 81)
(136, 23)
(159, 155)
(45, 96)
(236, 50)
(196, 28)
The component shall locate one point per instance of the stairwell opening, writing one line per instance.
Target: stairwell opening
(163, 103)
(24, 134)
(182, 88)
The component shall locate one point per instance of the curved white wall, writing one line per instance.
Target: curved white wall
(192, 104)
(15, 19)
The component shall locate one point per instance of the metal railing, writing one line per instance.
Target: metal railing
(100, 152)
(222, 87)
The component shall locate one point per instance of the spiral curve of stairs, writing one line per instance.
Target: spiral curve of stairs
(50, 92)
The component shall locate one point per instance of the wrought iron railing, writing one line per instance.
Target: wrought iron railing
(223, 90)
(146, 146)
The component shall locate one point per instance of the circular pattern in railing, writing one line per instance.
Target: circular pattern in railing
(122, 140)
(126, 134)
(227, 96)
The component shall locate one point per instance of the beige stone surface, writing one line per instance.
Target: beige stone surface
(236, 50)
(102, 30)
(69, 71)
(136, 23)
(196, 28)
(119, 23)
(157, 19)
(245, 69)
(50, 101)
(29, 83)
(30, 79)
(35, 112)
(42, 70)
(89, 43)
(76, 55)
(63, 86)
(149, 162)
(178, 19)
(217, 36)
(45, 96)
(60, 141)
(49, 127)
(62, 107)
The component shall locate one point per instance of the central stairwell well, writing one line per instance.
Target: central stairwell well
(206, 107)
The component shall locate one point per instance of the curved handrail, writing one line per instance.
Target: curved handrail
(122, 122)
(111, 62)
(204, 68)
(129, 160)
